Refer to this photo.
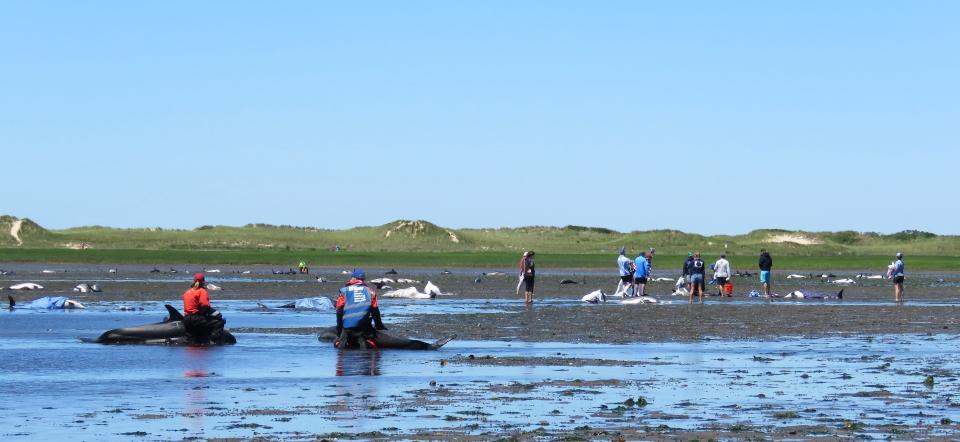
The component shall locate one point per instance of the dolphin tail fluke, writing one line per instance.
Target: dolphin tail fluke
(442, 342)
(12, 302)
(174, 313)
(840, 295)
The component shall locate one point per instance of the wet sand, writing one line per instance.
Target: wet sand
(731, 369)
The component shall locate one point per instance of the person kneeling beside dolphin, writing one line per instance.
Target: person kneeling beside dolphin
(358, 314)
(201, 321)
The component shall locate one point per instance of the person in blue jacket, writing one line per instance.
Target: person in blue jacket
(641, 274)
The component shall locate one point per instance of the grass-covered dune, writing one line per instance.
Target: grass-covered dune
(420, 243)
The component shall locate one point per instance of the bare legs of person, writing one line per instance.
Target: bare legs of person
(898, 291)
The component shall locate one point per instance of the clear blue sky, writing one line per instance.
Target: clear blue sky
(710, 117)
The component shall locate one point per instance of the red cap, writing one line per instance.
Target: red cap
(198, 277)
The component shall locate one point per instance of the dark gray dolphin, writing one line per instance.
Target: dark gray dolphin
(384, 340)
(170, 331)
(390, 272)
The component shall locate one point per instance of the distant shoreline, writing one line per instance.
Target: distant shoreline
(283, 259)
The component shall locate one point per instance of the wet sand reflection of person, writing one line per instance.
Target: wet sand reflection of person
(195, 390)
(358, 363)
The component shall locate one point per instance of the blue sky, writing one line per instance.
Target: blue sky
(709, 117)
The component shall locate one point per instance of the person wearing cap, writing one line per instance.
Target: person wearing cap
(625, 267)
(201, 321)
(523, 270)
(529, 274)
(896, 274)
(358, 314)
(650, 258)
(765, 264)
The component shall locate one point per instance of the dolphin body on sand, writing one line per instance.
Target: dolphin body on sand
(806, 294)
(170, 331)
(384, 340)
(87, 288)
(26, 286)
(48, 303)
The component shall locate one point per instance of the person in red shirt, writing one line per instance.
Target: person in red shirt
(202, 322)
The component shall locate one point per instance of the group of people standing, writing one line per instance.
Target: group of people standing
(634, 273)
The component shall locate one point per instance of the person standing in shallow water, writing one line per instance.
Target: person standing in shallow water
(523, 263)
(529, 273)
(696, 271)
(896, 274)
(766, 264)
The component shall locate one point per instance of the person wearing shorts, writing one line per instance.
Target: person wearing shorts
(766, 264)
(896, 274)
(640, 274)
(695, 272)
(721, 271)
(625, 267)
(529, 274)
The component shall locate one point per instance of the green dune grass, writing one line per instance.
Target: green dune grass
(422, 244)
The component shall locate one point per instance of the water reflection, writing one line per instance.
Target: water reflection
(195, 360)
(358, 363)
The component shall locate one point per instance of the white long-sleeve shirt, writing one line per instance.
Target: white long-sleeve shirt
(721, 268)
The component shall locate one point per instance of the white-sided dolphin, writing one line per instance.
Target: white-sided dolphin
(170, 331)
(26, 286)
(87, 288)
(387, 341)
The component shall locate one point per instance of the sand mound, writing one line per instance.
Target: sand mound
(15, 231)
(794, 238)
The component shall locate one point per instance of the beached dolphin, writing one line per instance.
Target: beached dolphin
(155, 270)
(807, 294)
(407, 281)
(26, 286)
(87, 288)
(316, 303)
(570, 281)
(796, 276)
(321, 279)
(493, 274)
(112, 271)
(212, 287)
(408, 293)
(47, 303)
(595, 297)
(48, 271)
(662, 279)
(169, 332)
(390, 272)
(866, 276)
(385, 341)
(639, 300)
(446, 272)
(845, 281)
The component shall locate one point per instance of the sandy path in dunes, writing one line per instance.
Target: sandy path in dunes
(15, 231)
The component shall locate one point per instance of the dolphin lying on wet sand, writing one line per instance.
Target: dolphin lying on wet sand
(170, 331)
(384, 340)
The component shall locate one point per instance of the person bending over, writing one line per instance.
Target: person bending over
(358, 315)
(202, 322)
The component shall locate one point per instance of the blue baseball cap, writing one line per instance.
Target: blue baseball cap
(358, 274)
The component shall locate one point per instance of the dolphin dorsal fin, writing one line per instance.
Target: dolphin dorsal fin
(174, 313)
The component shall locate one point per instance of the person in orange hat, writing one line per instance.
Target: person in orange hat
(202, 322)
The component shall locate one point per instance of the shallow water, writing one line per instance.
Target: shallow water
(283, 384)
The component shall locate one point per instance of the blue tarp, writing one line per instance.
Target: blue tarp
(48, 302)
(320, 303)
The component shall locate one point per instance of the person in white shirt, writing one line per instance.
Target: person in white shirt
(721, 272)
